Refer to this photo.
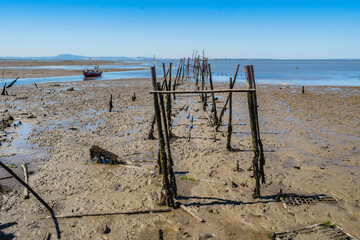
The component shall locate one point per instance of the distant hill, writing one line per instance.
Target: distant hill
(69, 57)
(77, 57)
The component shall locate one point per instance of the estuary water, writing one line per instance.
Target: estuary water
(267, 71)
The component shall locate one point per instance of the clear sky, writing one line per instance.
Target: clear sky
(232, 29)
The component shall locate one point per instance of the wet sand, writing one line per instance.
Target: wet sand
(311, 144)
(9, 73)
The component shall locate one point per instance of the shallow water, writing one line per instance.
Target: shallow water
(284, 72)
(25, 152)
(83, 67)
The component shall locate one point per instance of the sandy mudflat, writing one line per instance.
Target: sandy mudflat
(317, 132)
(10, 73)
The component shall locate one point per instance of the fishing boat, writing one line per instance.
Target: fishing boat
(96, 72)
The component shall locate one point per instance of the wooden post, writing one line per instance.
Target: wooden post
(261, 150)
(303, 90)
(151, 132)
(110, 104)
(166, 193)
(169, 158)
(168, 102)
(228, 145)
(26, 177)
(27, 186)
(202, 85)
(227, 100)
(213, 110)
(252, 116)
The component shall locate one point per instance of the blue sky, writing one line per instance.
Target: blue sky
(232, 29)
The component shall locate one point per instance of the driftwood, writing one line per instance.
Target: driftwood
(186, 209)
(26, 177)
(158, 210)
(7, 177)
(7, 155)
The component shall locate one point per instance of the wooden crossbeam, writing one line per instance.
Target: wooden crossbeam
(202, 91)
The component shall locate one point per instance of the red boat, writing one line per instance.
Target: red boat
(96, 72)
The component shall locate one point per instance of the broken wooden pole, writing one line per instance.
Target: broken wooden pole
(12, 83)
(228, 144)
(191, 127)
(132, 212)
(26, 177)
(252, 116)
(166, 193)
(110, 103)
(161, 234)
(28, 187)
(213, 110)
(186, 209)
(227, 100)
(4, 92)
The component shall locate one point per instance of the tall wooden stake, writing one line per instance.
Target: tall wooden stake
(169, 158)
(168, 102)
(253, 123)
(227, 100)
(261, 150)
(213, 110)
(166, 193)
(228, 145)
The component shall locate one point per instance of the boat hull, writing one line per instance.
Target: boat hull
(92, 74)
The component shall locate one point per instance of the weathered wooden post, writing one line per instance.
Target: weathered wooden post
(166, 193)
(257, 163)
(168, 102)
(303, 90)
(169, 158)
(213, 110)
(261, 150)
(26, 178)
(228, 145)
(151, 132)
(110, 103)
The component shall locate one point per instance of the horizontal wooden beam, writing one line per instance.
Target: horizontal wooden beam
(203, 91)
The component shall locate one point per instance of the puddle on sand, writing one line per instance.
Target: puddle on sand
(23, 150)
